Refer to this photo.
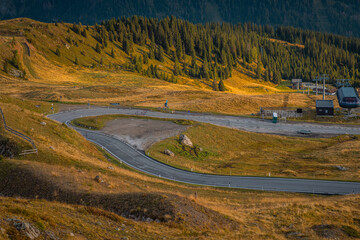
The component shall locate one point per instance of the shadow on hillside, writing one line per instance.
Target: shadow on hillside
(23, 181)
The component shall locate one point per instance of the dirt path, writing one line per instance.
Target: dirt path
(142, 133)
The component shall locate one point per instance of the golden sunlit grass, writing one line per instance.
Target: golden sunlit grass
(50, 77)
(83, 222)
(66, 159)
(229, 151)
(73, 163)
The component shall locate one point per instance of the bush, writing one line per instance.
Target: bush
(351, 231)
(8, 148)
(57, 52)
(6, 66)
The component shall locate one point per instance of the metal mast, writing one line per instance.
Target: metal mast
(322, 77)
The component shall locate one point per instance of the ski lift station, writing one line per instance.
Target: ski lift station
(348, 97)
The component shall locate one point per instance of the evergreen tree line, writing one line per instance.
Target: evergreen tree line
(215, 49)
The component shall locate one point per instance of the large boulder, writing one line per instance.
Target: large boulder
(185, 140)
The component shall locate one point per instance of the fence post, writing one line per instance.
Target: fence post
(26, 138)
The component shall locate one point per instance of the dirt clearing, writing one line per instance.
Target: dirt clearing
(142, 133)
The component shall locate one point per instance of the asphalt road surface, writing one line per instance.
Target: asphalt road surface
(130, 156)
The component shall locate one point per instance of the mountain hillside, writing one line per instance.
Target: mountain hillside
(336, 16)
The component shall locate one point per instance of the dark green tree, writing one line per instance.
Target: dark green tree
(258, 70)
(97, 48)
(57, 52)
(221, 86)
(127, 46)
(277, 77)
(177, 70)
(83, 33)
(215, 84)
(6, 66)
(160, 54)
(15, 60)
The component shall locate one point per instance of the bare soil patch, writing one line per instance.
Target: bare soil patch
(142, 133)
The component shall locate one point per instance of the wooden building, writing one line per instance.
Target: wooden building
(324, 108)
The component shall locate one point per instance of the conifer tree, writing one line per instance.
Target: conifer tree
(267, 76)
(15, 60)
(160, 54)
(152, 51)
(97, 48)
(215, 85)
(179, 49)
(6, 66)
(83, 33)
(127, 46)
(221, 85)
(176, 67)
(76, 61)
(57, 52)
(258, 70)
(146, 58)
(277, 77)
(112, 53)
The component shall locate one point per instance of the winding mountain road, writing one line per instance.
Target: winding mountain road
(130, 156)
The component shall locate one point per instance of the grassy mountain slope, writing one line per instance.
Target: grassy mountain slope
(58, 78)
(67, 164)
(37, 43)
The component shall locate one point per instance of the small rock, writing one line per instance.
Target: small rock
(185, 140)
(201, 149)
(98, 223)
(341, 168)
(111, 168)
(50, 235)
(71, 234)
(43, 123)
(170, 153)
(52, 148)
(2, 230)
(293, 234)
(97, 179)
(25, 228)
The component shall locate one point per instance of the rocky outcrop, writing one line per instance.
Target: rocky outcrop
(185, 140)
(25, 228)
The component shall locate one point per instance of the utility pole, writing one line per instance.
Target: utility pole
(316, 80)
(323, 77)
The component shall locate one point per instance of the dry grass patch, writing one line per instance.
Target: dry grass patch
(230, 151)
(74, 163)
